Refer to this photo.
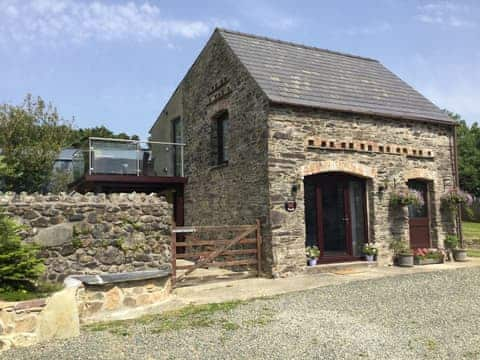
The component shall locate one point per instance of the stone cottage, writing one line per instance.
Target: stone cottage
(312, 142)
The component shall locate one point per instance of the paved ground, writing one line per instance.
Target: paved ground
(433, 315)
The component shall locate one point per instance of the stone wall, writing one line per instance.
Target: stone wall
(83, 234)
(292, 156)
(235, 193)
(115, 301)
(29, 322)
(85, 299)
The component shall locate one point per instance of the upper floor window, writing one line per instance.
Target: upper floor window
(222, 138)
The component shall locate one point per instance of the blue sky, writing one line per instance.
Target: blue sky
(115, 63)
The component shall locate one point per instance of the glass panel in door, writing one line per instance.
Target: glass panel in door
(356, 190)
(334, 218)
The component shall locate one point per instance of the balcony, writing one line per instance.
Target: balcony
(128, 165)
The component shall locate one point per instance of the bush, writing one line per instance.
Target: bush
(19, 265)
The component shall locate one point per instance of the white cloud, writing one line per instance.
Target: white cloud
(451, 85)
(445, 13)
(267, 15)
(52, 21)
(368, 30)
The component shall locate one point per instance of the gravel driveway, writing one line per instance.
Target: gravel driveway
(430, 315)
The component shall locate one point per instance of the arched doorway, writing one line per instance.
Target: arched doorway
(336, 215)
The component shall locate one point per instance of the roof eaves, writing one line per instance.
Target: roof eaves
(364, 112)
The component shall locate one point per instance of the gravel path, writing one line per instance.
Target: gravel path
(422, 316)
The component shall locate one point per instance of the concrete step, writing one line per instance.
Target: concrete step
(343, 268)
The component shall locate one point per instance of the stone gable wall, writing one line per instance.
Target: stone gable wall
(236, 193)
(291, 158)
(87, 234)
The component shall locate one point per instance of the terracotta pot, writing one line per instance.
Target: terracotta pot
(405, 260)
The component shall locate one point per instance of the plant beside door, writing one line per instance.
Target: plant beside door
(402, 252)
(451, 244)
(370, 251)
(423, 256)
(312, 253)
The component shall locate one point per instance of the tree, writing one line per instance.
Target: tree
(468, 143)
(31, 136)
(80, 136)
(19, 263)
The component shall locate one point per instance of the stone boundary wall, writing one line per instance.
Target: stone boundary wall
(99, 303)
(29, 322)
(88, 234)
(59, 316)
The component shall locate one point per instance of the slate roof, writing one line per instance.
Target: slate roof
(308, 76)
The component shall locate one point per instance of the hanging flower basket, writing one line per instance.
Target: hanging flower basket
(454, 198)
(405, 197)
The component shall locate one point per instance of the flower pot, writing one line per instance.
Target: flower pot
(405, 260)
(420, 261)
(460, 254)
(312, 262)
(369, 258)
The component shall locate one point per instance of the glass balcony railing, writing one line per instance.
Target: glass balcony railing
(128, 157)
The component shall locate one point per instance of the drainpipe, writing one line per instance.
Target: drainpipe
(457, 184)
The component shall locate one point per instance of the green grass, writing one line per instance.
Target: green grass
(473, 253)
(193, 316)
(471, 234)
(43, 290)
(471, 231)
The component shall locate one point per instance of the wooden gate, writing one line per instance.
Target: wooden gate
(210, 246)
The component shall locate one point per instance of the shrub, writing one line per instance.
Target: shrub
(19, 264)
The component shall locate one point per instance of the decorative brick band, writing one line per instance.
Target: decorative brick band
(341, 166)
(367, 146)
(420, 174)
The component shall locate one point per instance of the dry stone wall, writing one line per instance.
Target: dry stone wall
(88, 234)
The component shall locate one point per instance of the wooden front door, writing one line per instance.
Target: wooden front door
(335, 216)
(419, 219)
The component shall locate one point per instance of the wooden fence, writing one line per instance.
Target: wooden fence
(208, 246)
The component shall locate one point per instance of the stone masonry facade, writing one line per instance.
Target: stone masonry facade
(273, 147)
(235, 193)
(88, 234)
(292, 157)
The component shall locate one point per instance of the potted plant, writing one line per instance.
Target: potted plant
(423, 256)
(370, 250)
(404, 196)
(312, 253)
(451, 243)
(454, 198)
(403, 253)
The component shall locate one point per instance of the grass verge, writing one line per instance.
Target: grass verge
(192, 316)
(41, 291)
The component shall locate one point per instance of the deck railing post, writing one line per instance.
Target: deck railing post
(259, 248)
(173, 254)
